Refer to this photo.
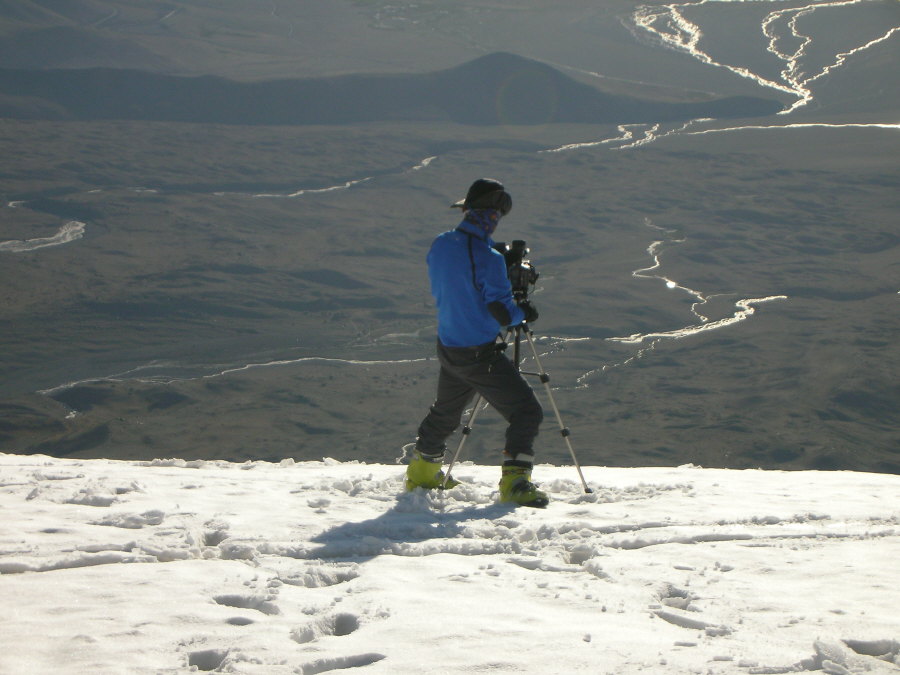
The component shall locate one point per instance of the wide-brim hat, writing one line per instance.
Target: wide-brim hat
(486, 193)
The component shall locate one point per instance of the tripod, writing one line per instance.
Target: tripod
(544, 378)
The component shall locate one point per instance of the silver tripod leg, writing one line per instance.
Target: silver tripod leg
(466, 430)
(563, 430)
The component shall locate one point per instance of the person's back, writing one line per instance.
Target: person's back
(471, 289)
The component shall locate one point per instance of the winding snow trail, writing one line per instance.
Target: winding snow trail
(781, 31)
(71, 231)
(346, 185)
(809, 125)
(744, 309)
(174, 372)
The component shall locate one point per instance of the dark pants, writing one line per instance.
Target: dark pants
(484, 370)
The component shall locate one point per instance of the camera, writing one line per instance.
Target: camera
(522, 274)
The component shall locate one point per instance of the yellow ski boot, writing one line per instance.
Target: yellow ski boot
(516, 488)
(424, 471)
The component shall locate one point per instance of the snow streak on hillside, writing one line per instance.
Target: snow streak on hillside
(71, 231)
(784, 34)
(312, 567)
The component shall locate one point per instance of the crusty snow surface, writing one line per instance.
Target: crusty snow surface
(173, 566)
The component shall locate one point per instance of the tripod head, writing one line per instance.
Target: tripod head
(522, 274)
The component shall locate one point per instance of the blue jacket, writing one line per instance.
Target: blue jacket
(469, 282)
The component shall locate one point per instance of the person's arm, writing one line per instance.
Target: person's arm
(497, 291)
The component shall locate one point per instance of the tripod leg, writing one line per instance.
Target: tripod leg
(466, 430)
(563, 430)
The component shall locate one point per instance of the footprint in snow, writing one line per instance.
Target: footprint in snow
(335, 624)
(207, 659)
(320, 576)
(91, 497)
(133, 521)
(340, 663)
(260, 604)
(672, 596)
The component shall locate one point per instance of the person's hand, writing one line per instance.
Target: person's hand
(531, 313)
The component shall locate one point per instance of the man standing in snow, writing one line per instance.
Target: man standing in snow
(474, 299)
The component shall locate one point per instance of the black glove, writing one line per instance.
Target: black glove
(531, 313)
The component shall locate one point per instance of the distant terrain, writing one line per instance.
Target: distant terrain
(214, 220)
(494, 89)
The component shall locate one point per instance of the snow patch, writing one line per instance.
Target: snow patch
(308, 567)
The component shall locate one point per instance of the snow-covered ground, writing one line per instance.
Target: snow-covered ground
(172, 566)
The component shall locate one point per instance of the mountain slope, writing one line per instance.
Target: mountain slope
(495, 89)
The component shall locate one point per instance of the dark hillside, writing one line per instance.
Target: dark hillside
(70, 48)
(495, 89)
